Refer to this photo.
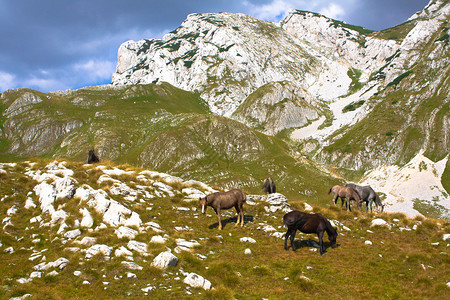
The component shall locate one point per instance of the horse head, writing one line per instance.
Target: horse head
(203, 204)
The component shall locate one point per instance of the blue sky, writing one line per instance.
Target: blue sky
(52, 45)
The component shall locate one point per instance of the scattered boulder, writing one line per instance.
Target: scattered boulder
(99, 249)
(446, 236)
(247, 251)
(72, 234)
(125, 232)
(379, 222)
(138, 246)
(87, 220)
(158, 239)
(131, 265)
(165, 259)
(196, 280)
(247, 240)
(183, 245)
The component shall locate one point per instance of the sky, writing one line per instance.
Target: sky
(52, 45)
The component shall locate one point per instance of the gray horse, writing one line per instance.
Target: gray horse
(367, 195)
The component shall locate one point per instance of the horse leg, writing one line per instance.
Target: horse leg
(349, 204)
(286, 239)
(335, 198)
(238, 214)
(292, 239)
(322, 248)
(219, 219)
(242, 215)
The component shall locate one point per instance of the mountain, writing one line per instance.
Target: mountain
(156, 126)
(229, 99)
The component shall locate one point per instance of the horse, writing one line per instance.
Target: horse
(347, 193)
(308, 223)
(92, 158)
(367, 195)
(269, 186)
(225, 200)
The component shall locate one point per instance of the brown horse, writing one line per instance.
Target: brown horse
(225, 200)
(346, 193)
(308, 223)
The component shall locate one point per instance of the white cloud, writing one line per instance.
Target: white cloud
(45, 84)
(333, 11)
(270, 11)
(7, 81)
(94, 70)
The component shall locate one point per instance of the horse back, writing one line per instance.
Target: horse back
(227, 199)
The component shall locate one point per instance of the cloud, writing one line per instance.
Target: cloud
(333, 11)
(7, 81)
(270, 11)
(95, 70)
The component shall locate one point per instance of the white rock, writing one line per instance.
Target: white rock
(77, 273)
(87, 220)
(88, 241)
(196, 280)
(86, 282)
(72, 234)
(247, 251)
(247, 240)
(62, 227)
(21, 297)
(446, 236)
(147, 289)
(133, 220)
(131, 265)
(308, 207)
(158, 239)
(138, 246)
(122, 251)
(165, 259)
(97, 249)
(154, 226)
(368, 242)
(58, 216)
(131, 275)
(125, 232)
(24, 280)
(12, 210)
(183, 245)
(65, 188)
(47, 195)
(36, 274)
(379, 222)
(60, 263)
(29, 203)
(9, 250)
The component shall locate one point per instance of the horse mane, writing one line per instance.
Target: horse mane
(330, 190)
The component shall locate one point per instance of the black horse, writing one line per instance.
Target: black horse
(308, 223)
(92, 158)
(367, 195)
(269, 186)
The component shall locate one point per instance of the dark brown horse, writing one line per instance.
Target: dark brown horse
(308, 223)
(346, 193)
(92, 158)
(225, 200)
(269, 186)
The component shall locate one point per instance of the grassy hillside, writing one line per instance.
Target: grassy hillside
(408, 260)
